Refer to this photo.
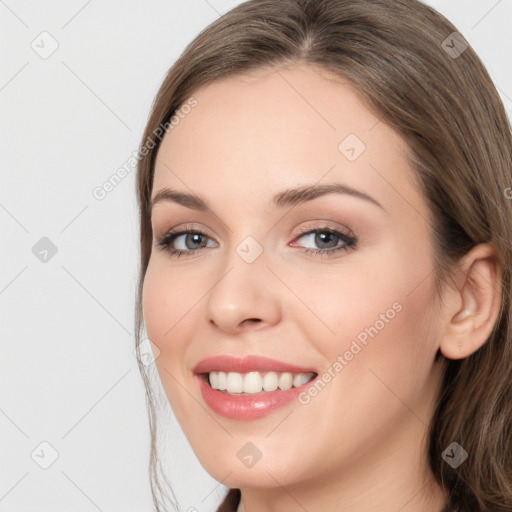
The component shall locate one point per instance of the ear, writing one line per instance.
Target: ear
(474, 306)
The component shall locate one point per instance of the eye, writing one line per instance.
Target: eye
(183, 242)
(328, 240)
(188, 241)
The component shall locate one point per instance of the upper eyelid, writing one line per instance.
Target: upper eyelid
(303, 231)
(320, 229)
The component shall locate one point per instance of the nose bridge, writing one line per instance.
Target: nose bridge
(242, 290)
(243, 270)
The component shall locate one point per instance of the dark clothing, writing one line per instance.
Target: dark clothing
(231, 501)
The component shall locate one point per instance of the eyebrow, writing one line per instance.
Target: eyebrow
(289, 197)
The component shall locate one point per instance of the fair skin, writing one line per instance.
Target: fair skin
(359, 444)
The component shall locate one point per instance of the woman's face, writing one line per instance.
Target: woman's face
(351, 303)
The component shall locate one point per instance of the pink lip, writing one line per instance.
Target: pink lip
(247, 364)
(246, 407)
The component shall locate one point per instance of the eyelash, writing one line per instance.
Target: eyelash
(349, 241)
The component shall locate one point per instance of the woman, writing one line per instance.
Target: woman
(325, 259)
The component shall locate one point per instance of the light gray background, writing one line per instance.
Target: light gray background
(69, 121)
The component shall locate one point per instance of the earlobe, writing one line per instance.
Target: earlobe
(475, 305)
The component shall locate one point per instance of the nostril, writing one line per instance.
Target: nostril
(251, 320)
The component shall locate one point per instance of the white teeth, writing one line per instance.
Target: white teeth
(252, 382)
(256, 382)
(222, 383)
(214, 380)
(235, 382)
(286, 381)
(270, 381)
(300, 379)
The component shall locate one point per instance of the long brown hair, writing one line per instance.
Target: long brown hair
(420, 79)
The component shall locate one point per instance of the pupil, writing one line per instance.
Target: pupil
(321, 238)
(195, 237)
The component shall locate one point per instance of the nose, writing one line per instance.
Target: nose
(244, 296)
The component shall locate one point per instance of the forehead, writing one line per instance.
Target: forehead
(278, 127)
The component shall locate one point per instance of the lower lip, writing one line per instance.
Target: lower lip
(247, 407)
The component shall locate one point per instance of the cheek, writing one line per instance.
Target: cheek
(168, 302)
(388, 347)
(168, 314)
(378, 383)
(337, 305)
(376, 317)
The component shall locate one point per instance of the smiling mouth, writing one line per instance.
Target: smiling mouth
(254, 383)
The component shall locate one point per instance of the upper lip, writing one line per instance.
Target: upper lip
(247, 364)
